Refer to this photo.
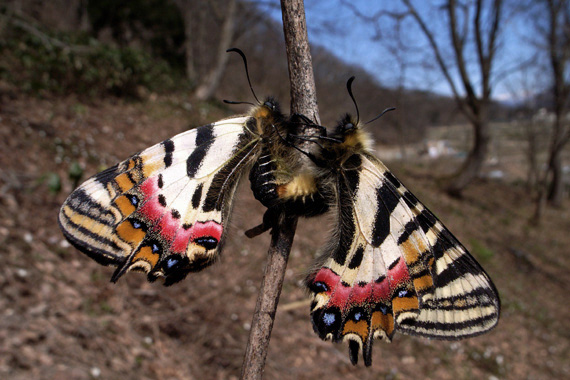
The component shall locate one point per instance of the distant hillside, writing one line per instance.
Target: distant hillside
(157, 28)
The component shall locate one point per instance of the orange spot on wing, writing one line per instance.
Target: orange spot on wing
(413, 248)
(128, 233)
(124, 182)
(384, 322)
(423, 282)
(360, 328)
(400, 304)
(146, 254)
(150, 168)
(124, 205)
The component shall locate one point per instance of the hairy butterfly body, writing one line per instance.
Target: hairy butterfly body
(391, 264)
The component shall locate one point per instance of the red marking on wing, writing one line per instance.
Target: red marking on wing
(182, 239)
(152, 210)
(343, 296)
(360, 293)
(149, 187)
(210, 228)
(168, 226)
(198, 230)
(399, 274)
(381, 291)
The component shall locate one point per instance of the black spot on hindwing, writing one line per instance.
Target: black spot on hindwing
(357, 258)
(197, 196)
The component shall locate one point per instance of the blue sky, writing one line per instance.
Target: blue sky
(351, 39)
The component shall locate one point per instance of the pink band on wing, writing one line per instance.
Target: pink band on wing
(204, 229)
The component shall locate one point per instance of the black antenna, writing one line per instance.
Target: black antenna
(349, 88)
(246, 71)
(234, 102)
(379, 116)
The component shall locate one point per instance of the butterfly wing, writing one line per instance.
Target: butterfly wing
(163, 211)
(392, 265)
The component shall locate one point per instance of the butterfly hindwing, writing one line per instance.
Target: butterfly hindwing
(164, 210)
(391, 264)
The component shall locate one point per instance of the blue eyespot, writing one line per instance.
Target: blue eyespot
(357, 316)
(320, 286)
(134, 200)
(329, 318)
(171, 262)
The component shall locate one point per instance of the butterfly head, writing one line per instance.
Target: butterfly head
(267, 109)
(351, 135)
(346, 127)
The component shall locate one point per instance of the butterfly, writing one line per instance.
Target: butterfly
(165, 210)
(390, 264)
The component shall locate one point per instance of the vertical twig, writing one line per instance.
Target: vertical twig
(281, 240)
(303, 91)
(303, 100)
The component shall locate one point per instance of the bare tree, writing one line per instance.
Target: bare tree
(551, 19)
(557, 36)
(474, 27)
(198, 18)
(188, 15)
(212, 80)
(473, 102)
(522, 90)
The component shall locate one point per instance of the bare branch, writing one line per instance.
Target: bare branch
(459, 48)
(303, 100)
(303, 90)
(439, 58)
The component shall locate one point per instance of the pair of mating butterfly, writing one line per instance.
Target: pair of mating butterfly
(389, 265)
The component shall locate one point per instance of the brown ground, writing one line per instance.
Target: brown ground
(61, 318)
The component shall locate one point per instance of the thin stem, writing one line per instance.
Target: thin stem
(303, 101)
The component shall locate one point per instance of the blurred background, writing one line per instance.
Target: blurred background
(480, 134)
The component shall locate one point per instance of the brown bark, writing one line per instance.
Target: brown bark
(209, 86)
(556, 187)
(303, 100)
(262, 323)
(303, 90)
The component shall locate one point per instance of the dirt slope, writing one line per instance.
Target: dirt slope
(61, 318)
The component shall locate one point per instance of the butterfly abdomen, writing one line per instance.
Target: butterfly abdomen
(297, 193)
